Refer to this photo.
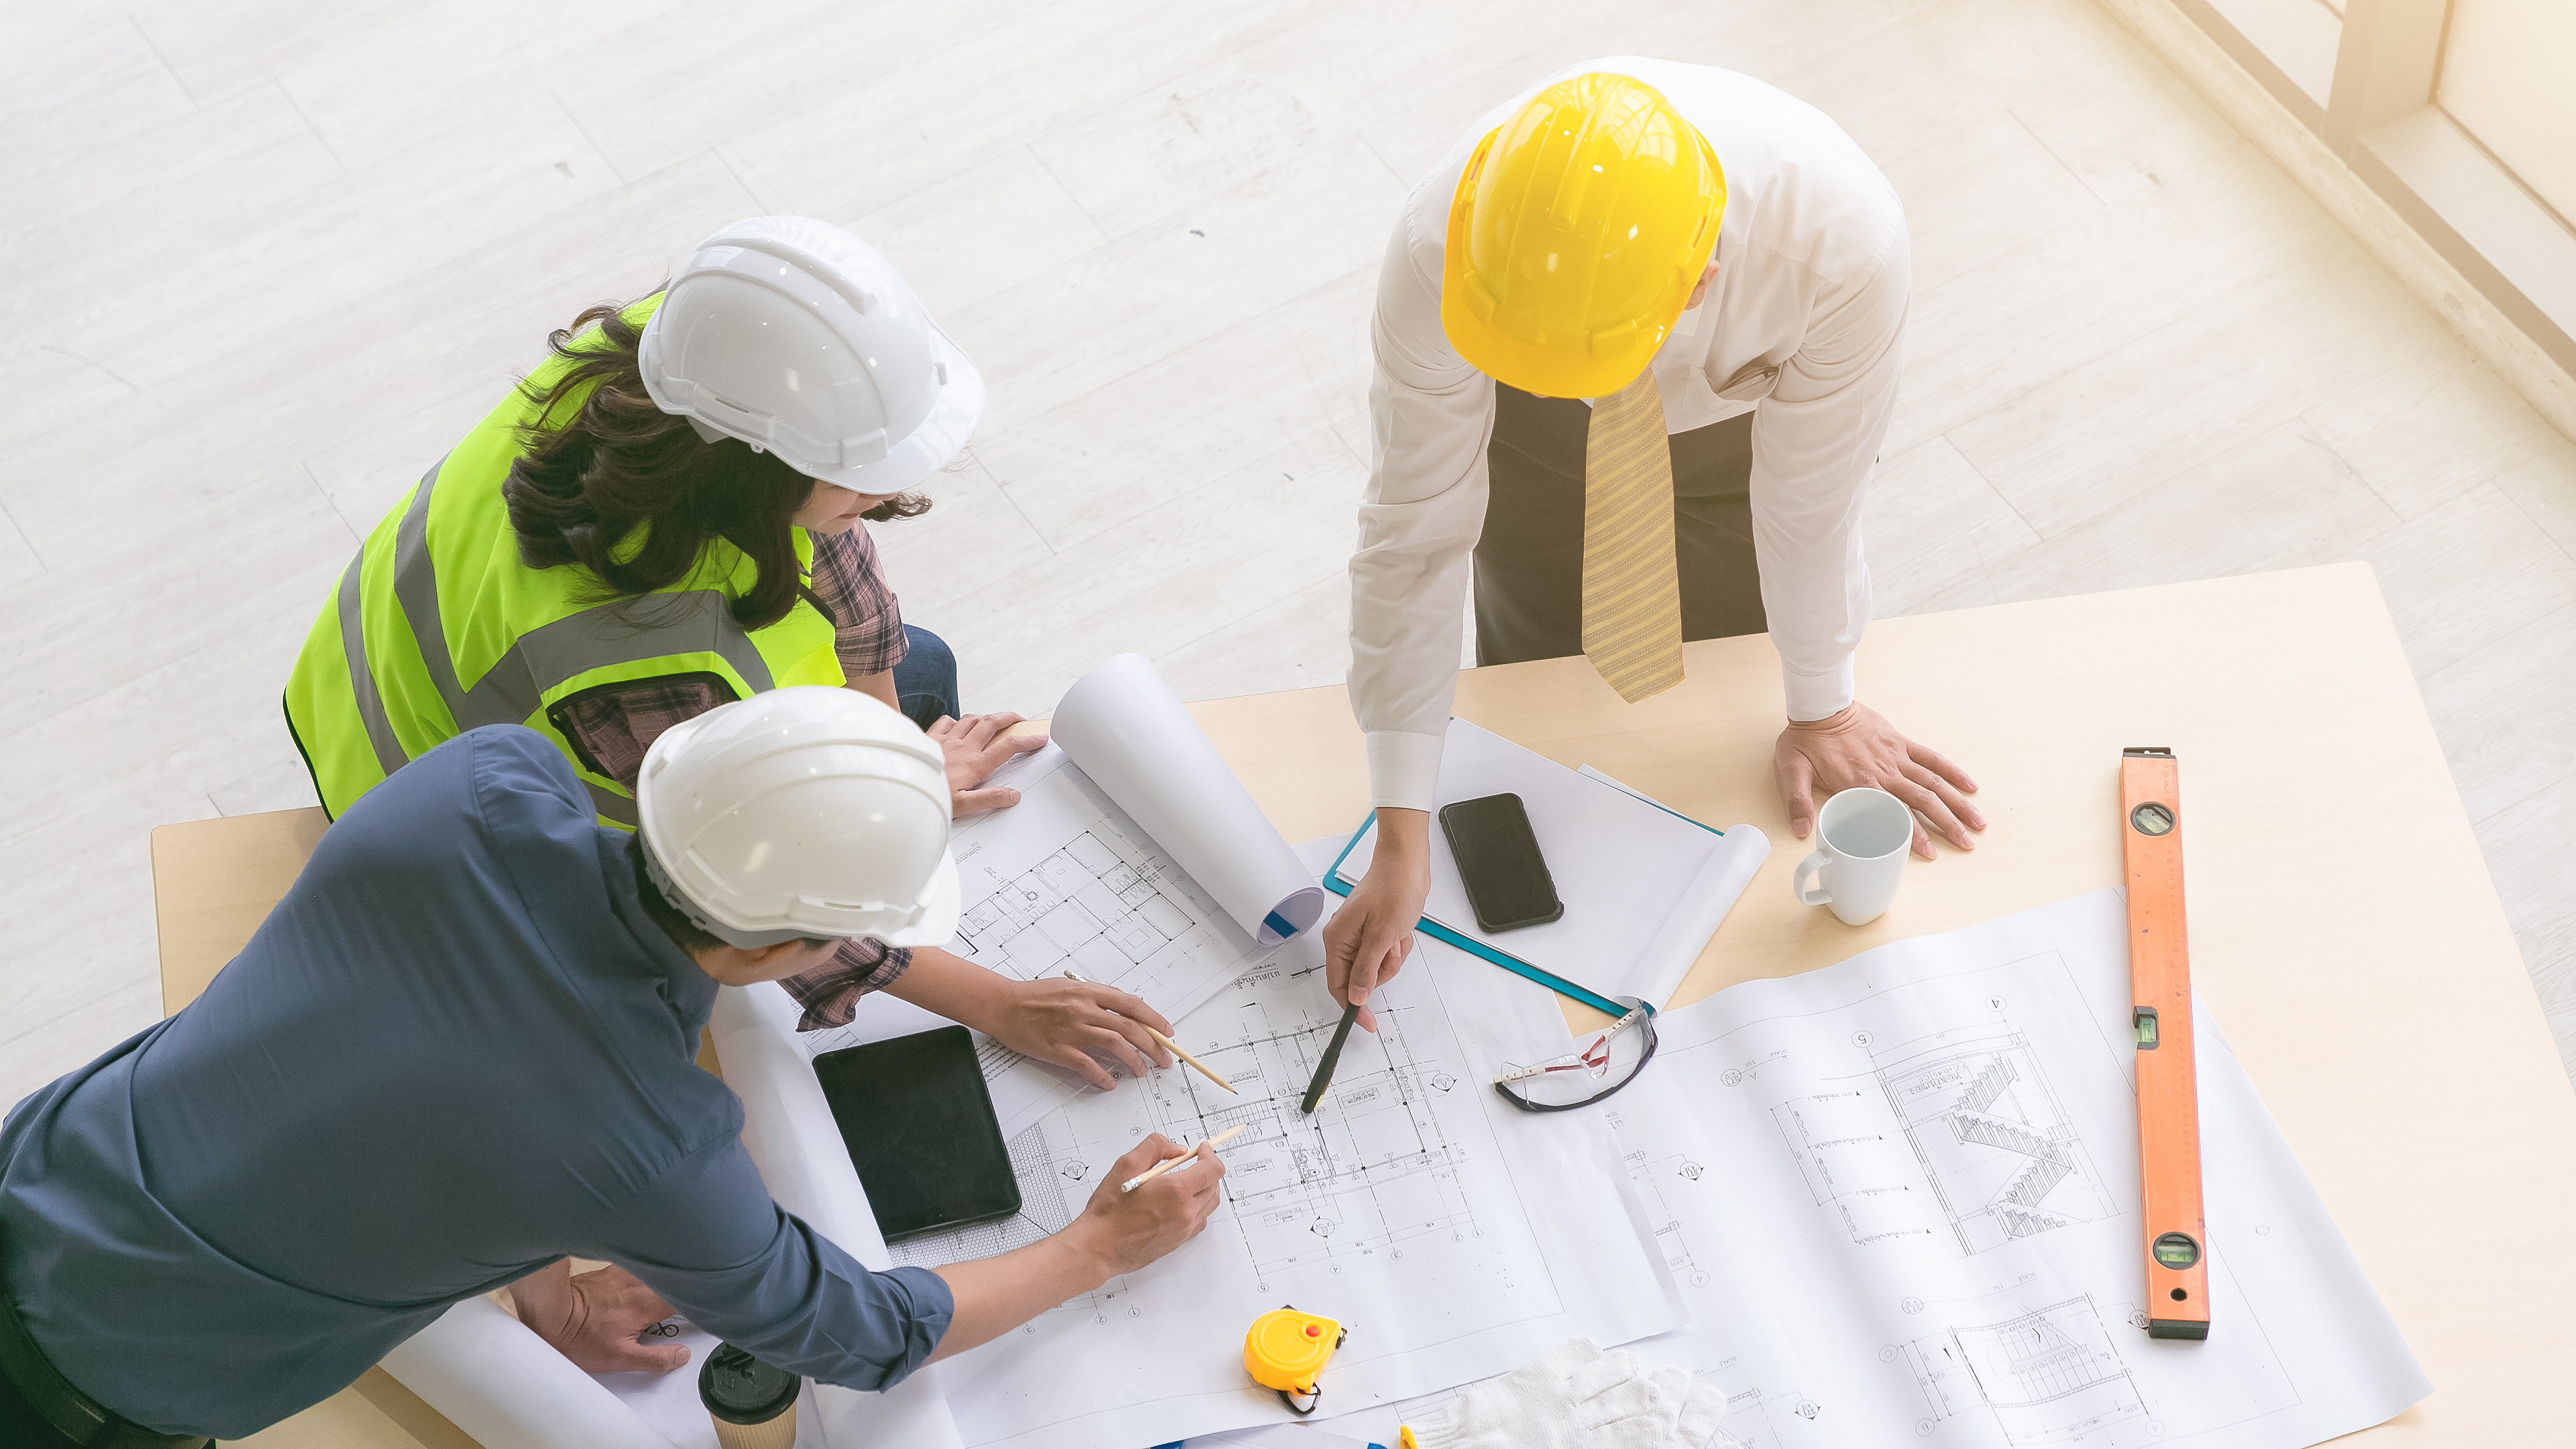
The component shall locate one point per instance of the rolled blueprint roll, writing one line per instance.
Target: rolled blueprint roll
(1697, 913)
(507, 1389)
(789, 1131)
(1127, 730)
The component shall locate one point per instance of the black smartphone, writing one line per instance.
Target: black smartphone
(918, 1122)
(1507, 880)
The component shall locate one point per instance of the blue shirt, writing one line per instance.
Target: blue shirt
(457, 1051)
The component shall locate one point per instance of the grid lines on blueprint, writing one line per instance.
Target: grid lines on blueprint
(1369, 1171)
(1098, 904)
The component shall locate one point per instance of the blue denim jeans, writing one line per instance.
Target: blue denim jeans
(926, 681)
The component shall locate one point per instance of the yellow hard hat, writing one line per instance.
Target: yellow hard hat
(1577, 232)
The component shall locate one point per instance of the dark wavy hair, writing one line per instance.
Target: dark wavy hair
(582, 484)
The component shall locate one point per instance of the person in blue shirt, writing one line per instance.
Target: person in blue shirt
(457, 1053)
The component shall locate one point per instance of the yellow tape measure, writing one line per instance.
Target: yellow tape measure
(1287, 1350)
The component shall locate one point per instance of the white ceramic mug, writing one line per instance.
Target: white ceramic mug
(1861, 839)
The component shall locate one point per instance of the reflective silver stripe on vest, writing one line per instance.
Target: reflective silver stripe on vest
(353, 643)
(611, 805)
(623, 632)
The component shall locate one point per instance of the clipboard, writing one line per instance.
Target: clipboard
(1446, 934)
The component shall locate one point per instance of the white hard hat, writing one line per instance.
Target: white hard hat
(796, 337)
(805, 811)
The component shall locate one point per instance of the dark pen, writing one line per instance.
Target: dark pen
(1332, 1059)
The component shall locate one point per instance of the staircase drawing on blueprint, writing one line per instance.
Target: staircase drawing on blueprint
(1981, 1128)
(1900, 1195)
(2052, 1375)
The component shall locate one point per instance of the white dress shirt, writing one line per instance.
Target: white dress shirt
(1799, 327)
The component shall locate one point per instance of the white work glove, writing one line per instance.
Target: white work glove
(1577, 1397)
(1647, 1408)
(1532, 1407)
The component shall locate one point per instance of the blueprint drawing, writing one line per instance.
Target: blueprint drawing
(1981, 1132)
(1394, 1208)
(1065, 879)
(1900, 1195)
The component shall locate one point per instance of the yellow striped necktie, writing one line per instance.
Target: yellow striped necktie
(1632, 596)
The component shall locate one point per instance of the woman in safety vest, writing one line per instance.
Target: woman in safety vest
(665, 516)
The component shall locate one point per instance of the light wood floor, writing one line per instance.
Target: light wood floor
(261, 263)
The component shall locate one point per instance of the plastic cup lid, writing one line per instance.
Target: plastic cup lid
(740, 1389)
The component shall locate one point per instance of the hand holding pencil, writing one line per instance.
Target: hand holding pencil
(1079, 1025)
(1184, 1161)
(1120, 1231)
(1167, 1043)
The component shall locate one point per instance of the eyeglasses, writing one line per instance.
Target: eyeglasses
(1578, 1079)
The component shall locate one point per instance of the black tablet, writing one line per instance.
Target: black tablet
(919, 1124)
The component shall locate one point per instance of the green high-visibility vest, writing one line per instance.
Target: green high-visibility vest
(437, 627)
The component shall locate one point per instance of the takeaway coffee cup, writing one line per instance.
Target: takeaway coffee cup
(753, 1404)
(1861, 840)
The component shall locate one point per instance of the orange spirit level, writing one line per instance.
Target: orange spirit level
(2168, 1092)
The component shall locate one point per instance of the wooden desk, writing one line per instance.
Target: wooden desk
(2344, 931)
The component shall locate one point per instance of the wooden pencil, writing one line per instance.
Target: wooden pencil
(1170, 1163)
(1176, 1049)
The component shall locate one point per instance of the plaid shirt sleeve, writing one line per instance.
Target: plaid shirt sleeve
(851, 583)
(611, 728)
(868, 636)
(830, 994)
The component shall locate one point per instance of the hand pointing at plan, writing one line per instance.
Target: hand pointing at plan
(1367, 940)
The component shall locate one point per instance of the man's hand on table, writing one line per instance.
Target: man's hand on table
(1367, 939)
(596, 1319)
(1857, 747)
(976, 746)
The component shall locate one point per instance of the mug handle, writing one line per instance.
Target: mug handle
(1798, 882)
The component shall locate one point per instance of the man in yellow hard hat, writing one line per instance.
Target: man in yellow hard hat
(1636, 343)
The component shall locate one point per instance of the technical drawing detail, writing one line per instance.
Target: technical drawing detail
(1984, 1150)
(2048, 1376)
(1372, 1168)
(1098, 904)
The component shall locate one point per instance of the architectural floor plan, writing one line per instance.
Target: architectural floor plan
(1099, 902)
(1900, 1196)
(1373, 1168)
(1065, 880)
(1393, 1208)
